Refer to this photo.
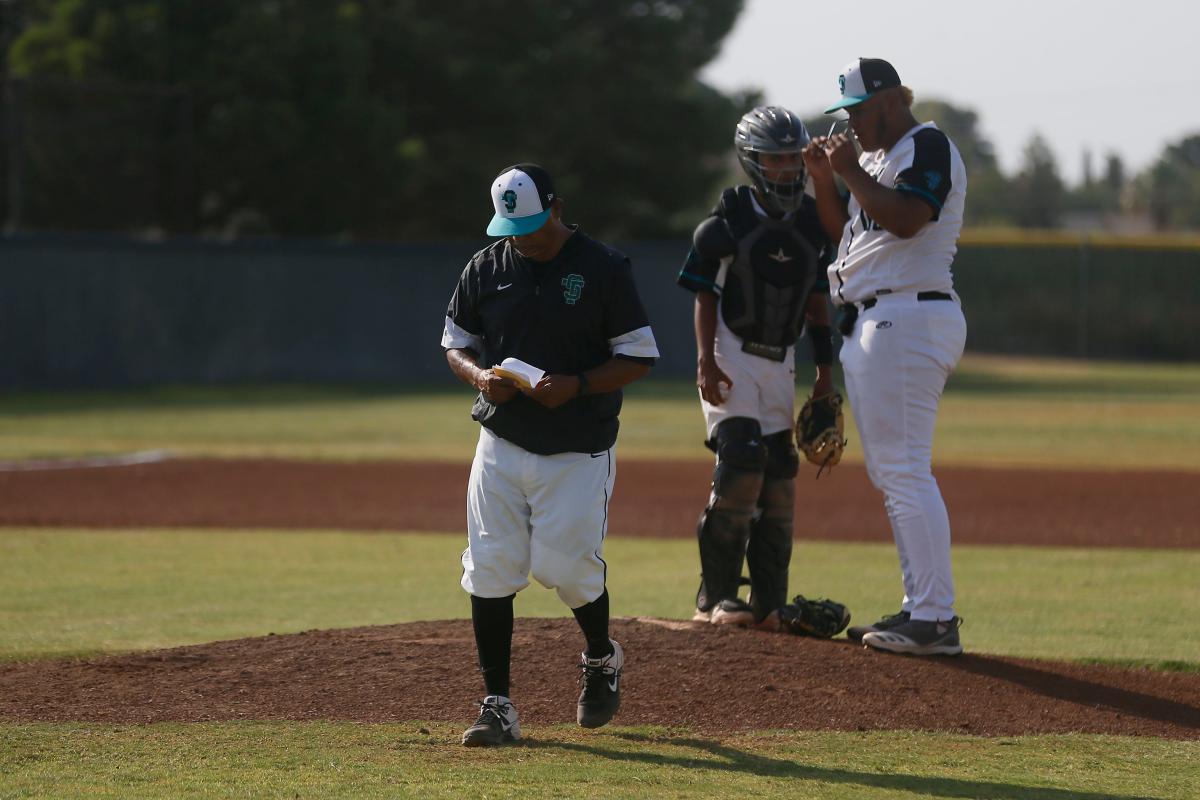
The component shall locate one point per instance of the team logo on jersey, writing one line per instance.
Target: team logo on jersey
(510, 200)
(572, 288)
(882, 325)
(932, 179)
(779, 256)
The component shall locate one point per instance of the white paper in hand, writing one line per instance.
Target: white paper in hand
(524, 375)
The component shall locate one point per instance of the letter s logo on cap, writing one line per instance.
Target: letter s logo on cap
(510, 200)
(842, 84)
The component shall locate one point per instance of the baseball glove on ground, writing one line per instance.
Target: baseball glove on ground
(819, 430)
(821, 618)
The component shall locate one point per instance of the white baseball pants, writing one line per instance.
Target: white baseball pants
(762, 389)
(896, 363)
(544, 516)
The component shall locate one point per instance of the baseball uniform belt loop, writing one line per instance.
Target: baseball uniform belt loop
(871, 301)
(847, 314)
(769, 351)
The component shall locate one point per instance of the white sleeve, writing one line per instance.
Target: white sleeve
(454, 338)
(636, 343)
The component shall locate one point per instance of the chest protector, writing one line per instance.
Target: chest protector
(773, 270)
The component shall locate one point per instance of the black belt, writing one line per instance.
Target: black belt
(871, 301)
(769, 351)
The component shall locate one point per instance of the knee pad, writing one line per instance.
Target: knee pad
(739, 443)
(741, 459)
(782, 459)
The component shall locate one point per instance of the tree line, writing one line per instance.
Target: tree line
(386, 119)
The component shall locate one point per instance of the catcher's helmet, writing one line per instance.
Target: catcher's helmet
(772, 129)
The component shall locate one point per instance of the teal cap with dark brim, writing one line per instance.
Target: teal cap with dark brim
(517, 226)
(846, 102)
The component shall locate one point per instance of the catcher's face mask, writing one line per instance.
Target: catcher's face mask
(778, 176)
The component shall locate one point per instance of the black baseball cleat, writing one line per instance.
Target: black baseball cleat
(497, 723)
(919, 638)
(601, 695)
(857, 632)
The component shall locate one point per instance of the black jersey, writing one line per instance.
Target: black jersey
(771, 267)
(563, 316)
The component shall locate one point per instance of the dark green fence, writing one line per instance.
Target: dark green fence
(92, 312)
(1082, 301)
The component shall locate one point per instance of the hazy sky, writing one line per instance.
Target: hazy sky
(1104, 75)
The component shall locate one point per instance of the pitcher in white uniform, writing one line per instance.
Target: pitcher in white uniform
(902, 324)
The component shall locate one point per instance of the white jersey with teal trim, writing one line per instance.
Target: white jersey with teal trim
(870, 260)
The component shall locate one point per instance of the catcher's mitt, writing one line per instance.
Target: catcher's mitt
(821, 618)
(819, 429)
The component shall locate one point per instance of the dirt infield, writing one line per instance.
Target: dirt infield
(987, 506)
(425, 671)
(705, 678)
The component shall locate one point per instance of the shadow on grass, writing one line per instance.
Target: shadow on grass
(1082, 692)
(729, 759)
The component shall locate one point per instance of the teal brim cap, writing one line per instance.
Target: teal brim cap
(846, 102)
(517, 226)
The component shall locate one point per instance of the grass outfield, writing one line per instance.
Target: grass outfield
(999, 411)
(422, 761)
(84, 592)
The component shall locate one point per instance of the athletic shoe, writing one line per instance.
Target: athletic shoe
(887, 623)
(918, 638)
(497, 723)
(732, 612)
(601, 695)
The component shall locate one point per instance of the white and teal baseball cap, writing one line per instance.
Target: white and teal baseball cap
(522, 195)
(862, 78)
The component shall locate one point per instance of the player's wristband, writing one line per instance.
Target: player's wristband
(822, 343)
(583, 384)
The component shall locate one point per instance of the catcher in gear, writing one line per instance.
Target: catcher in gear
(757, 268)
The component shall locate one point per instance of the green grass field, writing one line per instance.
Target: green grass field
(80, 592)
(412, 760)
(84, 592)
(996, 411)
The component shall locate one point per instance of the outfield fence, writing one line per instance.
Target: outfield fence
(104, 312)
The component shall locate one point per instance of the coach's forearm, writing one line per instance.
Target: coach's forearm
(464, 364)
(614, 374)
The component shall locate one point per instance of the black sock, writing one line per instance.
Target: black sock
(493, 621)
(593, 621)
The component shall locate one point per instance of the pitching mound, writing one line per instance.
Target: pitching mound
(708, 679)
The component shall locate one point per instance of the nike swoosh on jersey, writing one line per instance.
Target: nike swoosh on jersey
(503, 286)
